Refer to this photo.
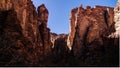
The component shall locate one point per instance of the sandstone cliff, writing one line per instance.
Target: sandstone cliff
(25, 39)
(116, 34)
(24, 36)
(88, 36)
(93, 20)
(60, 50)
(44, 31)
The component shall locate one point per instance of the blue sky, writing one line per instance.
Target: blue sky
(59, 11)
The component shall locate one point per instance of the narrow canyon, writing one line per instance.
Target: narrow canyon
(25, 39)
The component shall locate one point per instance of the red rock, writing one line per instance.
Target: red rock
(24, 39)
(88, 30)
(60, 49)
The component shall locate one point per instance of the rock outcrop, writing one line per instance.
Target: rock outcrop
(116, 34)
(60, 49)
(24, 36)
(44, 31)
(93, 20)
(53, 37)
(88, 36)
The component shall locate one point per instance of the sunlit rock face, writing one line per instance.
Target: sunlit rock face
(53, 37)
(24, 36)
(89, 28)
(94, 21)
(116, 34)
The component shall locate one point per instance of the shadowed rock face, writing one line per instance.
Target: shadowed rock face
(60, 49)
(24, 36)
(44, 31)
(88, 37)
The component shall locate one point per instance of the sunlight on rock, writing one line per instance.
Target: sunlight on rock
(116, 34)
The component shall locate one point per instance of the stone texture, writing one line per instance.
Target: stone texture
(60, 49)
(24, 36)
(53, 37)
(44, 31)
(116, 34)
(92, 17)
(89, 28)
(25, 39)
(43, 14)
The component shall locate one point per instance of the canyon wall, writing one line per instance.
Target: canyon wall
(24, 36)
(89, 28)
(25, 39)
(60, 50)
(93, 20)
(116, 34)
(44, 31)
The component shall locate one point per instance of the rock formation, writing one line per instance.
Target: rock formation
(44, 31)
(24, 36)
(91, 17)
(25, 39)
(60, 49)
(88, 32)
(116, 34)
(53, 37)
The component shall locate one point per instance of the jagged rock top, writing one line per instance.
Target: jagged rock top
(97, 16)
(42, 8)
(43, 14)
(89, 7)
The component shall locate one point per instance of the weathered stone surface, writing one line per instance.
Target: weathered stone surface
(25, 39)
(89, 29)
(44, 31)
(91, 17)
(60, 49)
(24, 36)
(43, 14)
(116, 34)
(53, 37)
